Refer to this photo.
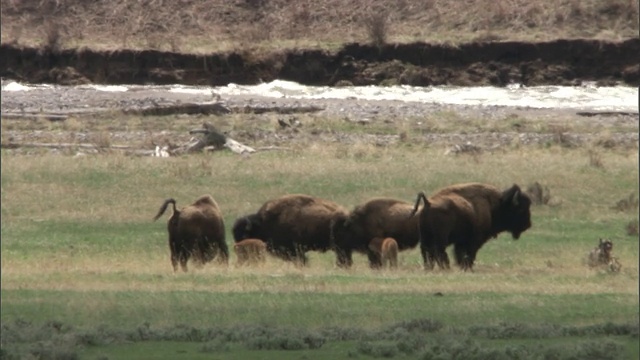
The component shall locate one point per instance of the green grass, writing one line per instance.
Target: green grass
(79, 248)
(285, 305)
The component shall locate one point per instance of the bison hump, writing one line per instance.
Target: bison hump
(205, 200)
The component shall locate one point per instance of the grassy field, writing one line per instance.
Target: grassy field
(86, 273)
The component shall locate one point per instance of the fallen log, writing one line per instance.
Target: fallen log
(13, 145)
(211, 140)
(50, 117)
(186, 108)
(238, 148)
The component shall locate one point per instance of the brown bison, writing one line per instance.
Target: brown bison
(387, 249)
(195, 230)
(467, 216)
(291, 225)
(376, 218)
(250, 251)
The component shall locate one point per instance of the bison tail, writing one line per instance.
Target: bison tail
(163, 208)
(423, 197)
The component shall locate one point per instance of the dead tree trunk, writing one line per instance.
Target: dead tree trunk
(214, 140)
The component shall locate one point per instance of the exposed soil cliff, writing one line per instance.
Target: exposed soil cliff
(560, 62)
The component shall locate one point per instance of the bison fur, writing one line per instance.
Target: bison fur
(376, 218)
(250, 251)
(467, 216)
(292, 225)
(197, 231)
(387, 249)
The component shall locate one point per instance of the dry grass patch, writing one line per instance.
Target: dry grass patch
(205, 26)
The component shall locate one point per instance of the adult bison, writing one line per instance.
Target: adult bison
(376, 218)
(195, 230)
(467, 216)
(291, 225)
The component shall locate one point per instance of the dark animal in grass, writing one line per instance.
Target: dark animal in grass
(292, 225)
(197, 231)
(601, 256)
(467, 216)
(387, 248)
(376, 218)
(250, 251)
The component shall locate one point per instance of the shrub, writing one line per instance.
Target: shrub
(217, 345)
(632, 228)
(628, 204)
(377, 28)
(377, 350)
(418, 325)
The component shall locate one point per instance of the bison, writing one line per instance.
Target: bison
(387, 249)
(467, 216)
(250, 251)
(195, 230)
(291, 225)
(376, 218)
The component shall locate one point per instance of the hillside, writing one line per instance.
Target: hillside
(220, 25)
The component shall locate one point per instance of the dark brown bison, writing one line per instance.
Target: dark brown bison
(467, 216)
(291, 225)
(250, 251)
(376, 218)
(195, 230)
(387, 249)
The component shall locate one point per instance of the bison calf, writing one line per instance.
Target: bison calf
(250, 251)
(387, 249)
(195, 230)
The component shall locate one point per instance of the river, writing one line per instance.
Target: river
(580, 98)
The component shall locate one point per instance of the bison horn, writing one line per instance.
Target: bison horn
(516, 195)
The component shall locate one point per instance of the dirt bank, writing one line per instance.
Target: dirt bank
(560, 62)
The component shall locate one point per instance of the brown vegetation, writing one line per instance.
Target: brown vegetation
(205, 26)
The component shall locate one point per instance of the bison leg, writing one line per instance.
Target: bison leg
(344, 258)
(223, 251)
(300, 256)
(435, 254)
(375, 260)
(462, 257)
(393, 262)
(427, 257)
(205, 249)
(174, 261)
(175, 252)
(183, 257)
(442, 258)
(465, 256)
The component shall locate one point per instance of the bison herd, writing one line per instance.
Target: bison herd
(465, 216)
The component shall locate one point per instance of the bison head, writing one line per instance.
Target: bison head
(247, 227)
(515, 213)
